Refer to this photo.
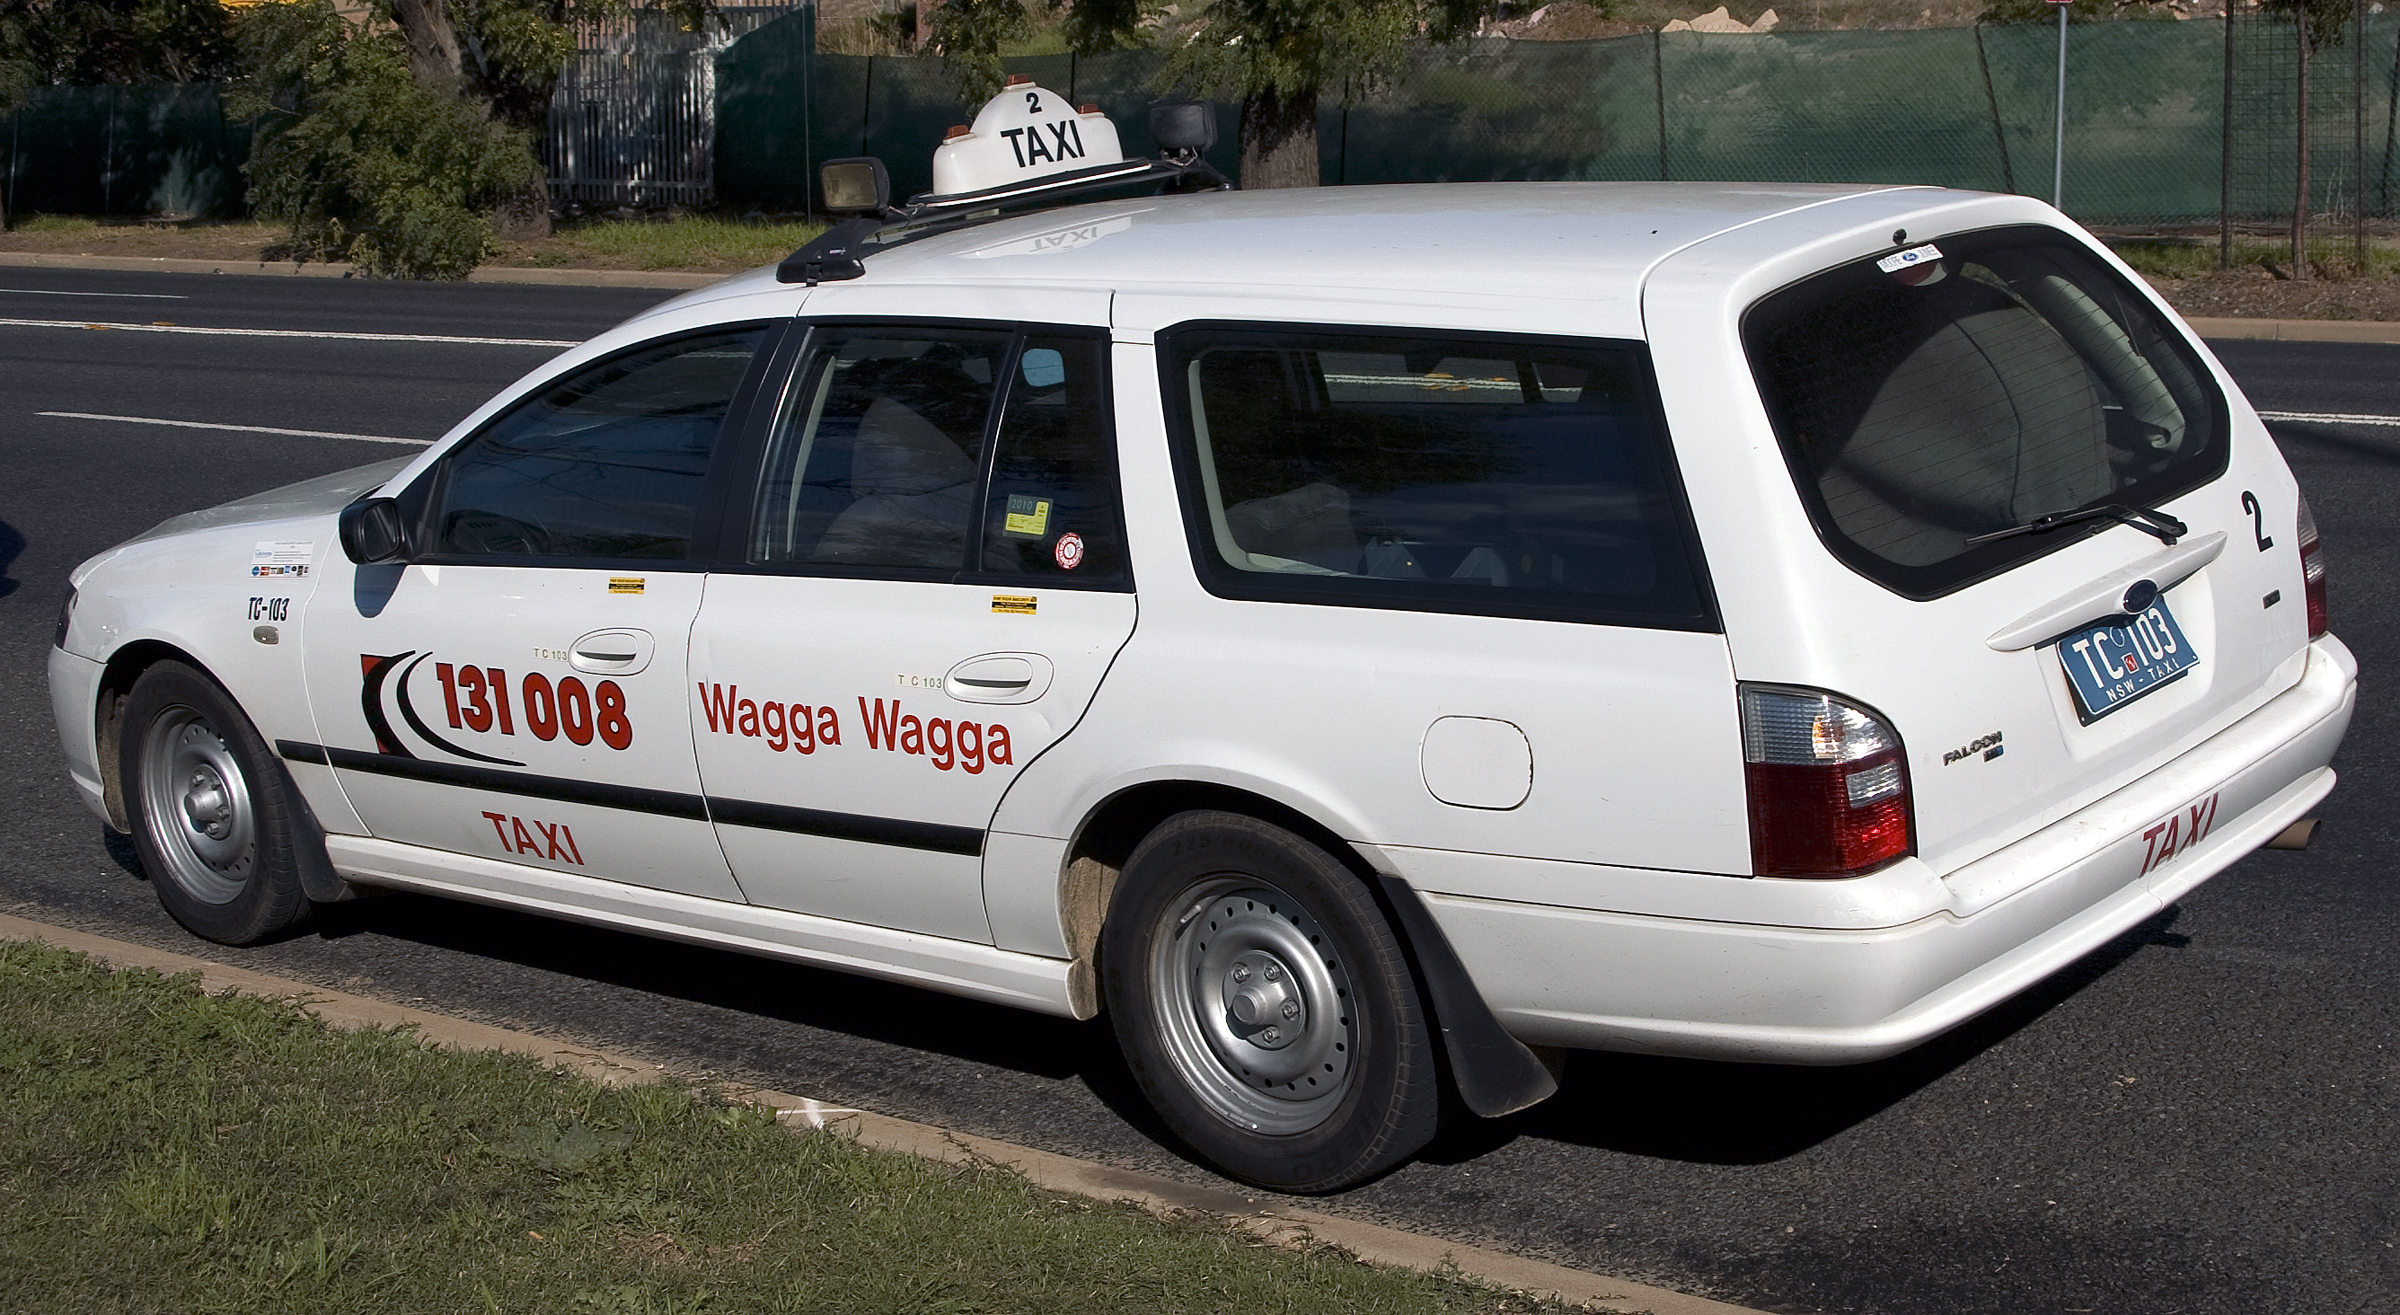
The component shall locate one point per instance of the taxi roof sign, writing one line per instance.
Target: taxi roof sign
(1023, 134)
(1027, 148)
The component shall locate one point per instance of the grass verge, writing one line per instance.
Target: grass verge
(162, 1149)
(695, 242)
(708, 244)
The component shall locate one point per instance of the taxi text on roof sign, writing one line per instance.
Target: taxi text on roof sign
(1023, 133)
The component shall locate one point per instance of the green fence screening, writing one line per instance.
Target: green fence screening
(2148, 135)
(153, 149)
(1958, 107)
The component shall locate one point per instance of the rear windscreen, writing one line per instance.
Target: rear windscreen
(1432, 472)
(1999, 376)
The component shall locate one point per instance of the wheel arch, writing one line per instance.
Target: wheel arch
(118, 675)
(1492, 1071)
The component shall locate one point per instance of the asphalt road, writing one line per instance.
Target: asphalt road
(2196, 1119)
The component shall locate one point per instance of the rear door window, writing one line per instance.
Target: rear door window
(2011, 376)
(1456, 473)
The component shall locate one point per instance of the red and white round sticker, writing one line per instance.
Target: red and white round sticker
(1069, 551)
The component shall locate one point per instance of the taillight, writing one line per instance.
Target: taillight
(1828, 785)
(2312, 570)
(66, 617)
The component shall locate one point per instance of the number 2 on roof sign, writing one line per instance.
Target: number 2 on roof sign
(1033, 102)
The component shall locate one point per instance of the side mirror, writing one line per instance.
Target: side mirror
(857, 185)
(1183, 125)
(373, 531)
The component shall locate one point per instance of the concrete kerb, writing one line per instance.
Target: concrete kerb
(1270, 1219)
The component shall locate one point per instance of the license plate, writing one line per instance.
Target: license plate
(2111, 665)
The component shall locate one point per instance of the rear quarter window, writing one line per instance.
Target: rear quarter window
(1431, 472)
(2015, 376)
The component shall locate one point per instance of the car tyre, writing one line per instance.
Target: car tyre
(1265, 1006)
(213, 812)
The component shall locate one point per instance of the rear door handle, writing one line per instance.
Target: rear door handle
(999, 678)
(612, 652)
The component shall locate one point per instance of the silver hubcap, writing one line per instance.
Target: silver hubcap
(197, 804)
(1259, 1017)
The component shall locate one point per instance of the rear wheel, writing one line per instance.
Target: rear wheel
(212, 810)
(1265, 1005)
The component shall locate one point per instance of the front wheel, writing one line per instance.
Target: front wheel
(213, 813)
(1266, 1007)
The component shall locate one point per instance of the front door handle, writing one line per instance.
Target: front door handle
(615, 652)
(999, 678)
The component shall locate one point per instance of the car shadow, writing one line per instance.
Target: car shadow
(12, 544)
(1692, 1111)
(889, 1013)
(1722, 1113)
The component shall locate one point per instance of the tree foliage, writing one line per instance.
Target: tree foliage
(89, 42)
(362, 158)
(1276, 58)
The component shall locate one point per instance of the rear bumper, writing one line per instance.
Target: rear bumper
(1838, 992)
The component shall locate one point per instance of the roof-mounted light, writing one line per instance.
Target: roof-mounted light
(857, 185)
(1026, 148)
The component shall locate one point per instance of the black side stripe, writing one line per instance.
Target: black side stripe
(934, 836)
(666, 803)
(899, 832)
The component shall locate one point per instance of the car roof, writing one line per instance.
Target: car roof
(1545, 240)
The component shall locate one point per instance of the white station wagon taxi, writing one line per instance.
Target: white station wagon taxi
(1362, 640)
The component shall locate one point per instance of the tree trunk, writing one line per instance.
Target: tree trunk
(523, 216)
(2301, 197)
(432, 39)
(1279, 140)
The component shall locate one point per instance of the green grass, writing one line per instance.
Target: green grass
(685, 242)
(162, 1149)
(2189, 258)
(54, 224)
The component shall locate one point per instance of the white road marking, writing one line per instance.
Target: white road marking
(238, 429)
(290, 333)
(2329, 418)
(144, 296)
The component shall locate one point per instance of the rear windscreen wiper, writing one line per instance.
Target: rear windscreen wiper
(2165, 527)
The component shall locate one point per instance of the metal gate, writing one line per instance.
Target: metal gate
(633, 118)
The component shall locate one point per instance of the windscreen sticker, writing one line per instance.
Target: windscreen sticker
(1069, 551)
(1028, 516)
(1900, 260)
(1914, 267)
(282, 558)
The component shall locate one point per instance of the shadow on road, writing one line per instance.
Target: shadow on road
(994, 1035)
(1693, 1111)
(1713, 1112)
(11, 544)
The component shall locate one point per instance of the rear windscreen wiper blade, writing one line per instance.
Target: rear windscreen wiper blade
(2165, 527)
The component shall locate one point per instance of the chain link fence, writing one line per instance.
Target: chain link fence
(1971, 107)
(2341, 131)
(162, 149)
(2186, 125)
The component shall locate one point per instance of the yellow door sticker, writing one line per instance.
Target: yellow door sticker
(626, 584)
(1014, 604)
(1027, 515)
